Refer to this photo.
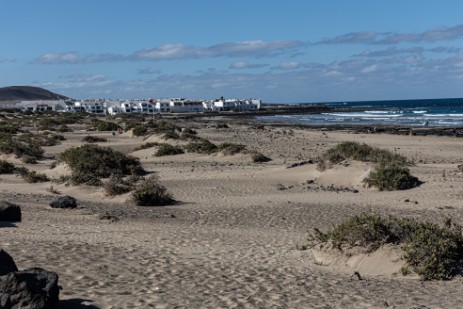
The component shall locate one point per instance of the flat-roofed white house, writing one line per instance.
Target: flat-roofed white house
(42, 105)
(90, 106)
(163, 106)
(181, 105)
(222, 104)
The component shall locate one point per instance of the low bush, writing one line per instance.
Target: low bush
(118, 185)
(10, 145)
(359, 152)
(105, 125)
(31, 176)
(231, 149)
(151, 193)
(146, 146)
(432, 251)
(391, 178)
(139, 130)
(201, 146)
(90, 162)
(171, 135)
(94, 139)
(168, 150)
(6, 167)
(390, 172)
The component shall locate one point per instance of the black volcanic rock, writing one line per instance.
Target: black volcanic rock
(9, 212)
(31, 288)
(64, 202)
(19, 93)
(7, 264)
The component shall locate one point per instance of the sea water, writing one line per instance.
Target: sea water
(416, 113)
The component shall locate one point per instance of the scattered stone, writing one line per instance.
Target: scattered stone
(300, 163)
(31, 288)
(10, 212)
(64, 202)
(7, 265)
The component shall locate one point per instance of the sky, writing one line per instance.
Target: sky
(279, 51)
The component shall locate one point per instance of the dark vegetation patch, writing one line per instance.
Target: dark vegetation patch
(151, 193)
(12, 145)
(101, 125)
(139, 130)
(431, 250)
(7, 167)
(391, 178)
(117, 184)
(390, 172)
(94, 139)
(89, 163)
(168, 150)
(147, 145)
(360, 152)
(201, 146)
(31, 176)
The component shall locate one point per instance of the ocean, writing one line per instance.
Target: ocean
(409, 113)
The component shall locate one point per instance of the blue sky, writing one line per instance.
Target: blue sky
(279, 51)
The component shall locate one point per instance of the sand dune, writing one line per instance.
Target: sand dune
(231, 240)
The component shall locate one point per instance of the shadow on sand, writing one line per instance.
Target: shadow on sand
(76, 303)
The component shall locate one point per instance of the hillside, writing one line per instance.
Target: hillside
(19, 93)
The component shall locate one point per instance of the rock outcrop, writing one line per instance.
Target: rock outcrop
(10, 212)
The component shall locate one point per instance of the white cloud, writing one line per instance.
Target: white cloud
(370, 69)
(291, 65)
(390, 38)
(246, 65)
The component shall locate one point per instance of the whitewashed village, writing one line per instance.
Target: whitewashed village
(142, 106)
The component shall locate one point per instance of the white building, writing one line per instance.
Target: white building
(163, 106)
(221, 104)
(42, 105)
(185, 106)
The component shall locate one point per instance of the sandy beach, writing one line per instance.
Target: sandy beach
(230, 240)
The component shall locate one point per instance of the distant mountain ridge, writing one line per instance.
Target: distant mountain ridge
(26, 93)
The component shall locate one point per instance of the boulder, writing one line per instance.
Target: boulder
(10, 212)
(64, 202)
(7, 265)
(33, 288)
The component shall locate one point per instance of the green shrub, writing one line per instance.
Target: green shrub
(10, 145)
(168, 150)
(9, 128)
(390, 172)
(231, 149)
(359, 152)
(105, 125)
(171, 135)
(201, 146)
(431, 251)
(94, 139)
(31, 176)
(151, 193)
(391, 178)
(6, 167)
(64, 128)
(164, 126)
(90, 162)
(146, 146)
(47, 123)
(139, 130)
(118, 185)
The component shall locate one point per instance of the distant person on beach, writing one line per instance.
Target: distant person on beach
(411, 133)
